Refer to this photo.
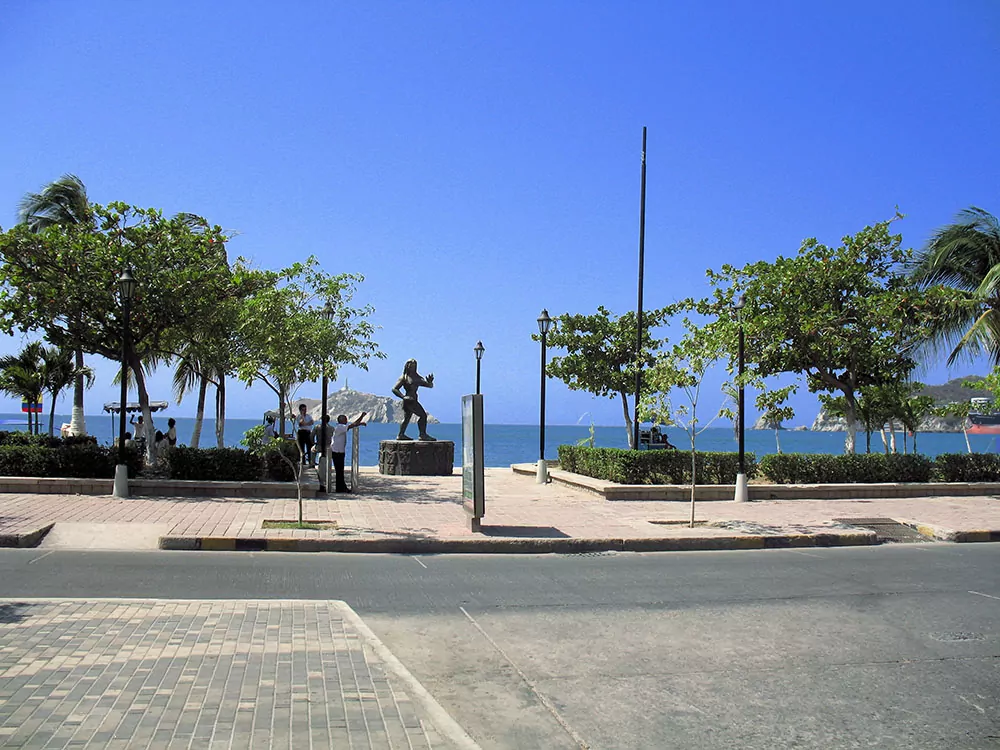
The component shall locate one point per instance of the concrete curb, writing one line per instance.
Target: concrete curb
(427, 546)
(26, 539)
(951, 535)
(762, 492)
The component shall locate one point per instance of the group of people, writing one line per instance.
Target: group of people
(309, 436)
(162, 439)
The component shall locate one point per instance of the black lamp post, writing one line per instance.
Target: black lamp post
(126, 289)
(741, 476)
(544, 323)
(479, 359)
(328, 314)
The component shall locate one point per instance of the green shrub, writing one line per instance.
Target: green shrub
(653, 467)
(967, 467)
(44, 441)
(823, 468)
(80, 460)
(230, 464)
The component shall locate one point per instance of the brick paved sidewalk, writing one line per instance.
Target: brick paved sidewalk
(517, 509)
(206, 674)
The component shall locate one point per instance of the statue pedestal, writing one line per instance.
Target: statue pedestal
(416, 458)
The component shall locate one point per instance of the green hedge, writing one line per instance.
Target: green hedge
(653, 467)
(44, 441)
(229, 464)
(81, 460)
(823, 468)
(967, 467)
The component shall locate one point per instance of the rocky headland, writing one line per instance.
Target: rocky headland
(384, 409)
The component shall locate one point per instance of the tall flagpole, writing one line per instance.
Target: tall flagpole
(638, 317)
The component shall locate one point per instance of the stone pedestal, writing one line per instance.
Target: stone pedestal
(416, 458)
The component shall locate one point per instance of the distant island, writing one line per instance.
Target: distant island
(385, 409)
(953, 391)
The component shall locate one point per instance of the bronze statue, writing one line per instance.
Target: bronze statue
(409, 382)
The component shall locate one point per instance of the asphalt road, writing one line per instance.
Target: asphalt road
(893, 646)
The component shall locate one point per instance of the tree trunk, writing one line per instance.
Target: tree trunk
(777, 440)
(965, 431)
(694, 478)
(885, 440)
(904, 440)
(628, 421)
(868, 441)
(77, 421)
(199, 415)
(851, 413)
(281, 411)
(892, 436)
(147, 416)
(52, 413)
(220, 412)
(914, 442)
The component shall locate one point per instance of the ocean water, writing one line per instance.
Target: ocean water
(508, 444)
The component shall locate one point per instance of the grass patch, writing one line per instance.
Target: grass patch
(314, 525)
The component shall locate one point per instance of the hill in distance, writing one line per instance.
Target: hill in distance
(384, 409)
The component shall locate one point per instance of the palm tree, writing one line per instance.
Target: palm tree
(187, 375)
(965, 255)
(64, 203)
(58, 371)
(21, 376)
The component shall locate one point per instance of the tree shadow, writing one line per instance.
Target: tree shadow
(524, 532)
(14, 612)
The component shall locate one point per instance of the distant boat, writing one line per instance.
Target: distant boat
(984, 420)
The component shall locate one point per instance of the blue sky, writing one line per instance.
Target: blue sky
(480, 161)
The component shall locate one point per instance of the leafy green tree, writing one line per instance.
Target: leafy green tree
(63, 202)
(600, 353)
(283, 339)
(842, 317)
(965, 257)
(63, 281)
(683, 368)
(21, 376)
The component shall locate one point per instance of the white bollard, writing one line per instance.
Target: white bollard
(741, 489)
(121, 481)
(542, 477)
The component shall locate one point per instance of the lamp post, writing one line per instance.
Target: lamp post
(542, 476)
(126, 288)
(741, 475)
(479, 359)
(328, 314)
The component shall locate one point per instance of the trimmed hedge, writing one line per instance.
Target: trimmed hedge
(44, 441)
(863, 468)
(653, 467)
(229, 464)
(79, 460)
(967, 467)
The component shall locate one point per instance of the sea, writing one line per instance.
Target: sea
(507, 444)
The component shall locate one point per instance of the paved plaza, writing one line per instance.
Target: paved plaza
(206, 674)
(389, 510)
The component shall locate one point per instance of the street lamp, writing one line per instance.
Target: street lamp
(741, 475)
(329, 314)
(542, 476)
(126, 289)
(479, 358)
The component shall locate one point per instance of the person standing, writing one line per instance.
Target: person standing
(338, 446)
(305, 425)
(317, 439)
(172, 432)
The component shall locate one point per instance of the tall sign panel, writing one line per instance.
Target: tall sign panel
(473, 460)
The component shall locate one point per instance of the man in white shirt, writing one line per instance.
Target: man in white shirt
(338, 446)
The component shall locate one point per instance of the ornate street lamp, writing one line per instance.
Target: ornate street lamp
(126, 290)
(479, 359)
(329, 314)
(542, 476)
(741, 475)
